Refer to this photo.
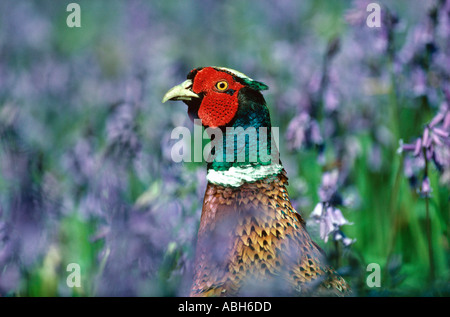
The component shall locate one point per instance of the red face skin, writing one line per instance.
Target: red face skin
(218, 106)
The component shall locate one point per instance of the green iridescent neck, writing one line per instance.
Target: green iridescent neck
(248, 142)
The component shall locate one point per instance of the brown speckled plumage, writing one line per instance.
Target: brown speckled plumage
(251, 234)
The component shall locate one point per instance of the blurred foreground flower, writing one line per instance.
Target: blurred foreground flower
(330, 220)
(326, 214)
(303, 131)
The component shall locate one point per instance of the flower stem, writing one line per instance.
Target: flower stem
(428, 226)
(394, 211)
(430, 246)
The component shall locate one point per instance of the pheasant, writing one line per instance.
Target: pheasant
(251, 241)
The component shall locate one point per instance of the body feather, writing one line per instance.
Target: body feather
(251, 240)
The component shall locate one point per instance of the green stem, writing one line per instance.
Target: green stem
(430, 246)
(393, 204)
(428, 225)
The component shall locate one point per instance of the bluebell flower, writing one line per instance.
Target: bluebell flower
(327, 214)
(330, 220)
(432, 146)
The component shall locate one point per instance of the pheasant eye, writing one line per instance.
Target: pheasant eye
(222, 85)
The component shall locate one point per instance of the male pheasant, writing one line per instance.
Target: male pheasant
(251, 241)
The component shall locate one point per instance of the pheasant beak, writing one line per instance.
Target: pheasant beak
(181, 92)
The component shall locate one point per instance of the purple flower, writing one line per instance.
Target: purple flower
(426, 188)
(419, 80)
(434, 136)
(340, 236)
(331, 100)
(328, 187)
(432, 146)
(326, 214)
(303, 130)
(330, 220)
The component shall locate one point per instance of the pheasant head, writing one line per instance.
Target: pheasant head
(215, 94)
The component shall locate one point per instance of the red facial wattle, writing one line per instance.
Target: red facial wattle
(218, 106)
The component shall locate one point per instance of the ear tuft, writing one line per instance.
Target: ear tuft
(257, 85)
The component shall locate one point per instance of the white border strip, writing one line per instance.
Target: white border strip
(236, 176)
